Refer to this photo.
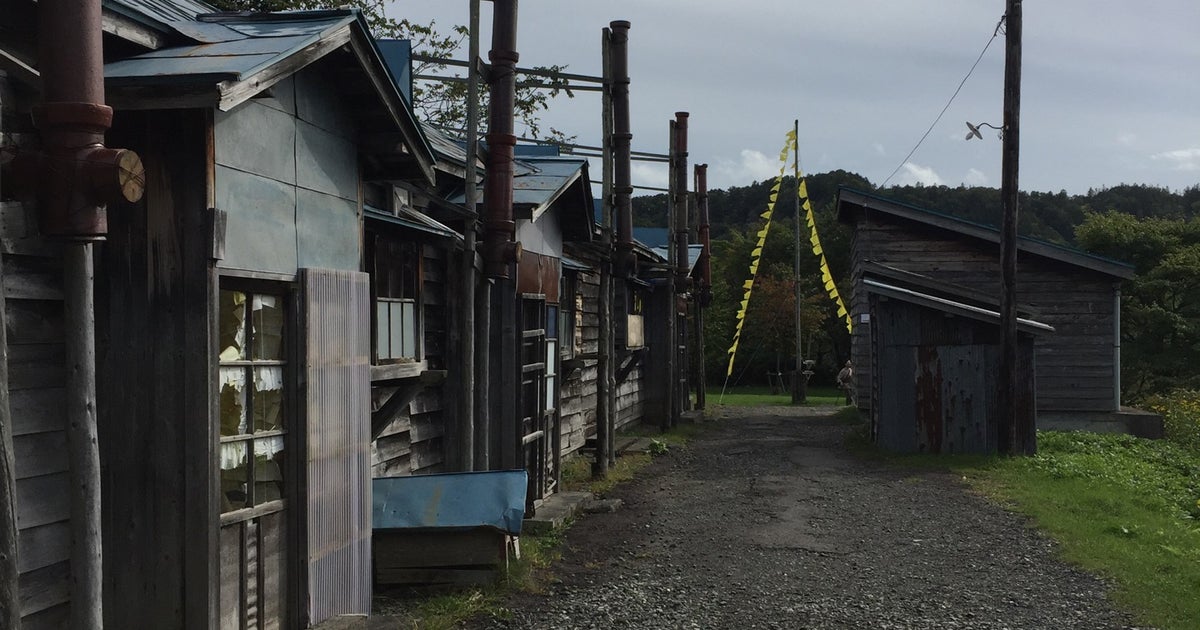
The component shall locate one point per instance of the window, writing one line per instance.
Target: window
(397, 317)
(252, 400)
(552, 320)
(569, 315)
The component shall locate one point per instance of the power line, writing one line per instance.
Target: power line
(952, 96)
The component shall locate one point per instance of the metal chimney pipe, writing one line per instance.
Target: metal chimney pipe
(681, 202)
(499, 246)
(76, 177)
(622, 139)
(702, 232)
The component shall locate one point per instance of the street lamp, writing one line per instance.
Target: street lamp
(974, 130)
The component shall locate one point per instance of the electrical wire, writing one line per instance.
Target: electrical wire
(952, 97)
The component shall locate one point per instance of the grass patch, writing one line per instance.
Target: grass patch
(762, 396)
(1123, 507)
(577, 473)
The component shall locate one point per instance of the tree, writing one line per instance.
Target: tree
(442, 104)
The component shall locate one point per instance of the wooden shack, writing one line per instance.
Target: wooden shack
(933, 374)
(1076, 293)
(234, 324)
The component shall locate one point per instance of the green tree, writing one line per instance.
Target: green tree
(442, 104)
(1160, 308)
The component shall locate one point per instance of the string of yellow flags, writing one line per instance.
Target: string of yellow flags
(819, 252)
(756, 253)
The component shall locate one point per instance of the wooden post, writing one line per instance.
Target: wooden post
(1014, 435)
(604, 352)
(670, 342)
(466, 396)
(82, 440)
(10, 600)
(799, 387)
(10, 595)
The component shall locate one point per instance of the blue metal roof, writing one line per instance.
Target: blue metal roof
(540, 181)
(652, 237)
(258, 45)
(159, 13)
(694, 251)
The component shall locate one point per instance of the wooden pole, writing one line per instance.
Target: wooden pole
(467, 391)
(10, 594)
(1014, 432)
(82, 439)
(10, 601)
(669, 302)
(799, 387)
(604, 358)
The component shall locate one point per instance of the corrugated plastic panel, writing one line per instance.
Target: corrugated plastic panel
(473, 499)
(337, 399)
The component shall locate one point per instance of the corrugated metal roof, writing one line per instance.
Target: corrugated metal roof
(539, 181)
(272, 41)
(950, 306)
(652, 237)
(159, 12)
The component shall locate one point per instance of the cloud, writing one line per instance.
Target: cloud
(752, 166)
(916, 174)
(975, 177)
(1127, 139)
(1182, 159)
(647, 174)
(879, 149)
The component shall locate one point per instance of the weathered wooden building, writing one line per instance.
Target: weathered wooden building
(935, 359)
(1077, 294)
(234, 322)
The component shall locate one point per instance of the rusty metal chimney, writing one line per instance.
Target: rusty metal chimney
(76, 176)
(499, 245)
(702, 232)
(622, 139)
(681, 202)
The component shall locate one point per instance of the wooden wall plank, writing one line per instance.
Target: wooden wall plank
(44, 545)
(43, 500)
(45, 588)
(37, 410)
(40, 454)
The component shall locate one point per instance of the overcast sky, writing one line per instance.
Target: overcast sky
(1111, 90)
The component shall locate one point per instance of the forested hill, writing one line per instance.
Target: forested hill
(1047, 216)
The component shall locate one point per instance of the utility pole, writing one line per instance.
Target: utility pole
(799, 387)
(1016, 434)
(467, 392)
(604, 356)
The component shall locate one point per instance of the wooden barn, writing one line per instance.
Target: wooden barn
(1075, 293)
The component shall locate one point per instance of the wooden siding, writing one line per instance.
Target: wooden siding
(30, 270)
(155, 283)
(1075, 364)
(414, 442)
(578, 390)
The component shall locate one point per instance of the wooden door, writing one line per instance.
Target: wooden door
(536, 414)
(255, 425)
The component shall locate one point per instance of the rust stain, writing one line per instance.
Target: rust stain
(929, 400)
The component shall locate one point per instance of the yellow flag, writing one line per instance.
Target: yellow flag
(807, 206)
(804, 189)
(749, 284)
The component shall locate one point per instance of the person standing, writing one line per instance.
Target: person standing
(845, 380)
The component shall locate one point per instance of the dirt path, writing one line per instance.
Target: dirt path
(767, 522)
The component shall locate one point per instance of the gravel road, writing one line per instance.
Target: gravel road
(767, 522)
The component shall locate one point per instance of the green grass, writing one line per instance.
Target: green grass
(757, 396)
(1122, 507)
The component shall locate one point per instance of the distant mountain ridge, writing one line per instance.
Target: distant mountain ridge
(1047, 216)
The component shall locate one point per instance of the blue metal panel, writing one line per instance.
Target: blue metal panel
(180, 68)
(651, 237)
(154, 12)
(325, 162)
(280, 25)
(397, 55)
(261, 232)
(321, 106)
(236, 48)
(327, 231)
(257, 139)
(493, 498)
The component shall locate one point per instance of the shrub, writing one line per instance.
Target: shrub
(1180, 410)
